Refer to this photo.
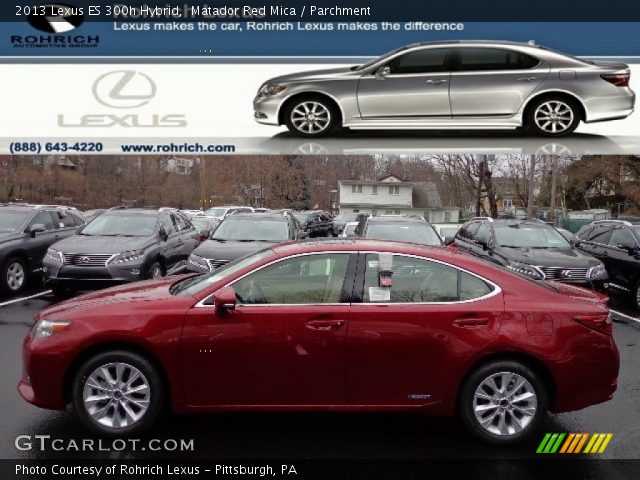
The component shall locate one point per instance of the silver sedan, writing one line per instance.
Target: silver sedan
(451, 85)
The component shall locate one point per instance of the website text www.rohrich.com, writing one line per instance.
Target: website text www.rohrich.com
(173, 147)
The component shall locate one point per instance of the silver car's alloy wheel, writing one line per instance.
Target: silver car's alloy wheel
(505, 403)
(310, 117)
(116, 395)
(553, 116)
(15, 276)
(156, 272)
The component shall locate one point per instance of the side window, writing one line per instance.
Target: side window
(427, 60)
(417, 280)
(600, 235)
(308, 279)
(180, 222)
(623, 237)
(483, 235)
(479, 59)
(168, 224)
(45, 219)
(584, 233)
(64, 219)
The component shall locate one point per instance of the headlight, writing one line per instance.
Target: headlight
(199, 263)
(597, 273)
(130, 256)
(525, 269)
(46, 328)
(54, 255)
(270, 89)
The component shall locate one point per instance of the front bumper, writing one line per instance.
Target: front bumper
(267, 109)
(90, 278)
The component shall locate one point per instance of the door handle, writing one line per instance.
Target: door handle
(526, 79)
(324, 325)
(436, 82)
(474, 322)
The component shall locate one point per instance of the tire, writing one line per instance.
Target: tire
(109, 416)
(517, 426)
(62, 293)
(324, 116)
(13, 275)
(552, 116)
(635, 296)
(155, 270)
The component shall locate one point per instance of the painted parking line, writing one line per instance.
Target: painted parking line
(623, 315)
(22, 299)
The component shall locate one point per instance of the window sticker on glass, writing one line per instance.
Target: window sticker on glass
(379, 294)
(373, 263)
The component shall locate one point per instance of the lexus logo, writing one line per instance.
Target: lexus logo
(565, 273)
(124, 89)
(57, 18)
(84, 260)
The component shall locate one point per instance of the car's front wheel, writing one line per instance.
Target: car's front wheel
(635, 295)
(503, 402)
(117, 393)
(552, 116)
(311, 116)
(155, 271)
(13, 277)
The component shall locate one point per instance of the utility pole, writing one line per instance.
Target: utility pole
(203, 205)
(481, 168)
(552, 202)
(532, 184)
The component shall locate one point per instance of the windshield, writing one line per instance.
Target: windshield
(528, 236)
(350, 229)
(216, 212)
(301, 216)
(252, 230)
(122, 224)
(448, 231)
(192, 285)
(404, 232)
(346, 217)
(200, 223)
(370, 63)
(11, 220)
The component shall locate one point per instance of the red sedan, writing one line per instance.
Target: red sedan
(334, 325)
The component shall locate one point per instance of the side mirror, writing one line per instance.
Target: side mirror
(163, 234)
(224, 300)
(632, 251)
(449, 240)
(383, 72)
(37, 228)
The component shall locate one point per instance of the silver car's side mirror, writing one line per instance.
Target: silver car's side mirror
(383, 72)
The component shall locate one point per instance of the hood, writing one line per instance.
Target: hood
(229, 250)
(5, 236)
(548, 257)
(326, 74)
(151, 290)
(101, 244)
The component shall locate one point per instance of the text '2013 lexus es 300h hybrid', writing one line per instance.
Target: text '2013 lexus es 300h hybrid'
(332, 325)
(451, 85)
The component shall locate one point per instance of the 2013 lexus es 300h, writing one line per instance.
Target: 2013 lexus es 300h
(451, 85)
(334, 325)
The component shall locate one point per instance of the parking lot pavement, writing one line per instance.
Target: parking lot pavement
(313, 435)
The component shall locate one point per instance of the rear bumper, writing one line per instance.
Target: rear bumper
(611, 107)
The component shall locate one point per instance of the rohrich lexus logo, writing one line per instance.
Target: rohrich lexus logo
(124, 89)
(121, 90)
(57, 18)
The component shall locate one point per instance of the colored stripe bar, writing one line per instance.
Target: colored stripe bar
(550, 443)
(555, 447)
(567, 442)
(607, 439)
(543, 443)
(583, 439)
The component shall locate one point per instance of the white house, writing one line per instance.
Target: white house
(392, 196)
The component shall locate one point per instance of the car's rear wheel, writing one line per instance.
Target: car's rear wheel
(503, 402)
(117, 393)
(553, 116)
(311, 116)
(13, 275)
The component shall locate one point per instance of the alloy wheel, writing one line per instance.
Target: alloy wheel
(116, 395)
(553, 116)
(156, 272)
(505, 403)
(311, 117)
(15, 276)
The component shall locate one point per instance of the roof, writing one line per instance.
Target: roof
(396, 219)
(258, 215)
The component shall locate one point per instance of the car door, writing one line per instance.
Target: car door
(405, 342)
(67, 223)
(595, 243)
(38, 244)
(171, 248)
(283, 344)
(622, 266)
(490, 81)
(187, 240)
(416, 86)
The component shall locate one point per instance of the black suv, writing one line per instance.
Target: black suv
(26, 231)
(243, 234)
(617, 244)
(119, 246)
(399, 228)
(316, 223)
(531, 248)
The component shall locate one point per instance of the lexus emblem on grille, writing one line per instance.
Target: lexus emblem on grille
(566, 273)
(84, 260)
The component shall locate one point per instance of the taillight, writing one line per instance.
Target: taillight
(600, 323)
(618, 79)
